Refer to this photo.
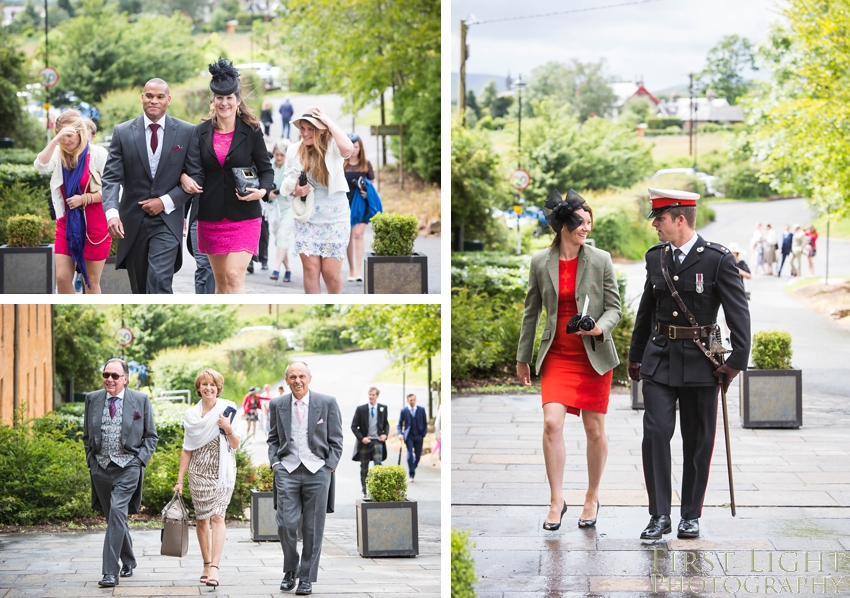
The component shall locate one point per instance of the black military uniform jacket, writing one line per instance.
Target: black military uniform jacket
(680, 362)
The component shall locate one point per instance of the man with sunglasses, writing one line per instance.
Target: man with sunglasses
(119, 438)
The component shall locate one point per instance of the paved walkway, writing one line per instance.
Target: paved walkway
(68, 564)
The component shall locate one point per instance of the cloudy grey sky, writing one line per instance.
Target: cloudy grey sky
(663, 41)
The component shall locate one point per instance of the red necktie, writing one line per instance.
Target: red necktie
(154, 137)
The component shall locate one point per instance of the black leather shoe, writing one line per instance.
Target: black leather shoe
(126, 571)
(689, 528)
(658, 526)
(288, 581)
(304, 588)
(108, 581)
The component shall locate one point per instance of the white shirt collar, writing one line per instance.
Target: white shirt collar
(686, 248)
(148, 121)
(305, 400)
(120, 395)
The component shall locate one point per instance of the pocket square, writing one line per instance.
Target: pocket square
(176, 148)
(321, 421)
(137, 415)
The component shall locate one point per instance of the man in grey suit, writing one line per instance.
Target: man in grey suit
(305, 446)
(146, 158)
(119, 437)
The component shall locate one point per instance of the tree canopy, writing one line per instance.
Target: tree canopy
(82, 345)
(581, 86)
(799, 122)
(725, 66)
(411, 332)
(101, 50)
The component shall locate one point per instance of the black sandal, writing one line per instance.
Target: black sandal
(204, 577)
(213, 583)
(552, 527)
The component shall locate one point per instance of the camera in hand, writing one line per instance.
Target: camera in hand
(302, 180)
(361, 183)
(577, 322)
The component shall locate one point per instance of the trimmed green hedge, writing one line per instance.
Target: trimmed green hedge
(322, 336)
(772, 350)
(394, 234)
(463, 566)
(17, 156)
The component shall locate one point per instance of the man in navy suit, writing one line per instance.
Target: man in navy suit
(412, 428)
(787, 237)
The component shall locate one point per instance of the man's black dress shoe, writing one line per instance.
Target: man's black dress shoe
(658, 526)
(288, 581)
(126, 571)
(108, 581)
(689, 528)
(304, 588)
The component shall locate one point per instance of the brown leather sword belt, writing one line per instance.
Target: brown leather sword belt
(687, 332)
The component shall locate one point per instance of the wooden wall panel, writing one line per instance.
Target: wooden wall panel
(34, 359)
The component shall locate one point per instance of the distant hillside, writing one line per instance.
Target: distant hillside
(478, 82)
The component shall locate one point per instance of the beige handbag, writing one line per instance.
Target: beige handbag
(175, 528)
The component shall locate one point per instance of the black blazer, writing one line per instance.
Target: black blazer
(360, 427)
(218, 200)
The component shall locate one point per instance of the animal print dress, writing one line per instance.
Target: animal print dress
(203, 478)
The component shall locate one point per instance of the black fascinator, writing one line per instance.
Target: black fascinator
(560, 211)
(225, 78)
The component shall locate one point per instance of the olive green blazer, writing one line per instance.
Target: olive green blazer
(595, 278)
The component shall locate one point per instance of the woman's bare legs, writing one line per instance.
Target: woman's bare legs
(597, 454)
(555, 455)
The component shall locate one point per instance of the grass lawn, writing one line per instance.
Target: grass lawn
(415, 377)
(672, 147)
(838, 229)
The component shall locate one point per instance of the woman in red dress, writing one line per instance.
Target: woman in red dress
(576, 365)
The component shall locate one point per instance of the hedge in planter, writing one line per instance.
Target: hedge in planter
(26, 266)
(771, 394)
(394, 268)
(387, 524)
(394, 234)
(463, 566)
(24, 231)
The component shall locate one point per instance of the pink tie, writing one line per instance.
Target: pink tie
(154, 137)
(299, 413)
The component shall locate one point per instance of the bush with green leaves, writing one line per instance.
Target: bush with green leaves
(28, 194)
(323, 335)
(43, 475)
(463, 566)
(493, 274)
(387, 483)
(741, 180)
(772, 350)
(24, 230)
(620, 234)
(394, 234)
(264, 477)
(18, 156)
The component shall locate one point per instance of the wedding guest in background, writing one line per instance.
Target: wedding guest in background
(357, 166)
(281, 222)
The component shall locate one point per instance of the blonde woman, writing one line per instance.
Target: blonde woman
(228, 223)
(76, 169)
(209, 443)
(320, 241)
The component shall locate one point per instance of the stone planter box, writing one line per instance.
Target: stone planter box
(27, 270)
(263, 523)
(112, 281)
(387, 528)
(771, 398)
(396, 275)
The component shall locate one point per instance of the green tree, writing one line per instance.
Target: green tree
(101, 50)
(725, 65)
(478, 185)
(361, 48)
(409, 331)
(81, 345)
(597, 155)
(12, 78)
(581, 86)
(159, 326)
(495, 105)
(799, 120)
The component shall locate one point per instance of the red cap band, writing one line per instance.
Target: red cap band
(663, 202)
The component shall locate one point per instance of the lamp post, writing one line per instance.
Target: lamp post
(518, 85)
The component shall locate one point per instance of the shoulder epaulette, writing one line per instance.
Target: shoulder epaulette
(716, 247)
(656, 246)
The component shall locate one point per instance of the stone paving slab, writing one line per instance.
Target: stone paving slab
(792, 489)
(68, 564)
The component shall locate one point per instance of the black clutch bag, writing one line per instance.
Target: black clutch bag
(244, 178)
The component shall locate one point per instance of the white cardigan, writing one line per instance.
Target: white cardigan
(97, 162)
(333, 160)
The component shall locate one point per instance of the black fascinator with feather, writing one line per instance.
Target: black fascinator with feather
(225, 78)
(560, 211)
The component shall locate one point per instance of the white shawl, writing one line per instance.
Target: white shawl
(199, 430)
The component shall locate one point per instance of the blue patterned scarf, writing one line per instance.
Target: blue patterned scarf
(75, 221)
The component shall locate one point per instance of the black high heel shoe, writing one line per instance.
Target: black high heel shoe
(552, 527)
(589, 522)
(213, 583)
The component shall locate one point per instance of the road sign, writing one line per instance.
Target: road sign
(124, 336)
(385, 129)
(518, 209)
(49, 77)
(520, 179)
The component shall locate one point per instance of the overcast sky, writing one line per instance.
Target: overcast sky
(663, 41)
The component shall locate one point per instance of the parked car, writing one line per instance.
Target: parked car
(271, 75)
(707, 179)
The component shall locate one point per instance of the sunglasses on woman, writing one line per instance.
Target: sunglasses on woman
(112, 375)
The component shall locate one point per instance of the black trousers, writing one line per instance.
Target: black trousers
(263, 249)
(698, 419)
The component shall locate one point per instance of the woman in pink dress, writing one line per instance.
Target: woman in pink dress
(71, 160)
(228, 223)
